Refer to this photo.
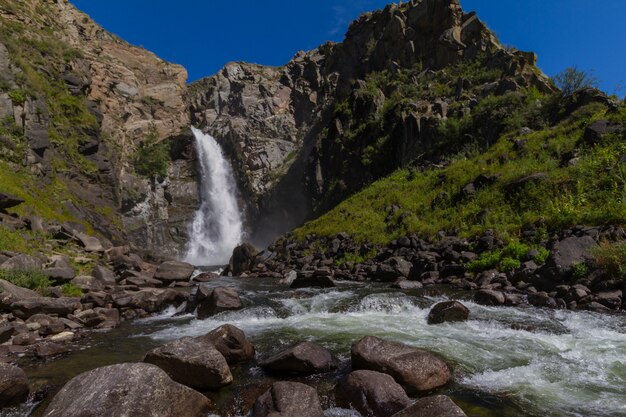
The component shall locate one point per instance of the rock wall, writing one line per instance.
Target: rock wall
(296, 151)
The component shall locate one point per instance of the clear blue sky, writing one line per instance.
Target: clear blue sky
(203, 35)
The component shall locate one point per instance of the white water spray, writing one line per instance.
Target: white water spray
(217, 226)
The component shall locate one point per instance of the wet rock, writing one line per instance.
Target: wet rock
(174, 271)
(130, 389)
(48, 349)
(610, 299)
(393, 268)
(314, 281)
(448, 311)
(242, 259)
(45, 305)
(288, 399)
(232, 343)
(303, 358)
(435, 406)
(13, 385)
(541, 299)
(415, 369)
(221, 299)
(405, 284)
(194, 362)
(371, 393)
(489, 298)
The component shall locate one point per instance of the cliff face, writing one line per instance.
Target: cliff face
(304, 136)
(78, 102)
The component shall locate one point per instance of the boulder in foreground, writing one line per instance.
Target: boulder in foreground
(371, 393)
(13, 385)
(415, 369)
(231, 342)
(124, 390)
(303, 358)
(193, 362)
(288, 399)
(435, 406)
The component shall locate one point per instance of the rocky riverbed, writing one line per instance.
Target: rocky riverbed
(501, 361)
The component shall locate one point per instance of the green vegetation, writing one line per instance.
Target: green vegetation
(509, 258)
(71, 290)
(18, 97)
(582, 185)
(580, 270)
(612, 258)
(152, 158)
(572, 79)
(31, 279)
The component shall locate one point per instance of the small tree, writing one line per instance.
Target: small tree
(572, 79)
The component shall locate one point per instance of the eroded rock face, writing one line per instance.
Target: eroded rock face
(130, 389)
(415, 369)
(288, 399)
(193, 362)
(373, 394)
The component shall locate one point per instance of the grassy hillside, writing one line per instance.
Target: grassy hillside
(583, 183)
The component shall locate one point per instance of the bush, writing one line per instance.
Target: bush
(71, 290)
(152, 159)
(18, 97)
(508, 264)
(580, 270)
(612, 258)
(572, 79)
(486, 260)
(31, 279)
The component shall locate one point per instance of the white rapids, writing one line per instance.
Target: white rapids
(547, 362)
(217, 226)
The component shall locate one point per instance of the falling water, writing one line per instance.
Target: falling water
(217, 226)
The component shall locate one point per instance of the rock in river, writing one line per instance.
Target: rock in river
(303, 358)
(231, 342)
(13, 385)
(288, 399)
(371, 393)
(415, 369)
(221, 299)
(194, 362)
(129, 389)
(448, 311)
(435, 406)
(174, 271)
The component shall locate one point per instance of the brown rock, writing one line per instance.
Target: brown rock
(303, 358)
(448, 311)
(13, 385)
(231, 342)
(435, 406)
(221, 299)
(288, 399)
(371, 393)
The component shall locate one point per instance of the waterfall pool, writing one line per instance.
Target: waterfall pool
(507, 361)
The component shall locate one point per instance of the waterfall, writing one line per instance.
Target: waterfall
(217, 226)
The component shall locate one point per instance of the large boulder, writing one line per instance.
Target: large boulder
(124, 390)
(90, 243)
(194, 362)
(242, 259)
(303, 358)
(448, 311)
(231, 342)
(10, 293)
(221, 299)
(171, 271)
(393, 268)
(371, 393)
(566, 254)
(435, 406)
(13, 385)
(489, 298)
(415, 369)
(22, 262)
(103, 274)
(45, 305)
(288, 399)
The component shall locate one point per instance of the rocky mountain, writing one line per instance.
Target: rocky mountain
(304, 136)
(76, 104)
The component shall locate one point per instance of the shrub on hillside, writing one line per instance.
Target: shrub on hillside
(612, 258)
(152, 159)
(572, 79)
(31, 279)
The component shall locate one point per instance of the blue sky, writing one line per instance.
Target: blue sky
(203, 35)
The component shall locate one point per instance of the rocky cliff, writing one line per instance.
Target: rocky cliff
(76, 104)
(304, 136)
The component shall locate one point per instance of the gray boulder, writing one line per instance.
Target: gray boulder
(174, 271)
(303, 358)
(129, 389)
(194, 362)
(448, 311)
(489, 298)
(221, 299)
(60, 274)
(288, 399)
(232, 343)
(103, 274)
(566, 254)
(45, 305)
(371, 393)
(22, 262)
(13, 385)
(415, 369)
(435, 406)
(242, 259)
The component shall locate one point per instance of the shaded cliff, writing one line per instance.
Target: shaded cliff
(76, 104)
(305, 136)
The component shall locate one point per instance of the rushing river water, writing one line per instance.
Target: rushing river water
(507, 361)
